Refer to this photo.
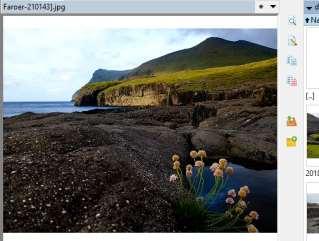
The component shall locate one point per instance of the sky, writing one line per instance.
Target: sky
(315, 114)
(313, 198)
(49, 63)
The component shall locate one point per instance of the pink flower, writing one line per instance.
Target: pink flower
(254, 215)
(199, 164)
(189, 173)
(173, 178)
(214, 166)
(230, 201)
(232, 193)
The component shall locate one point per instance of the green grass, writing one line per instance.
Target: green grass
(98, 86)
(315, 137)
(312, 151)
(191, 214)
(208, 79)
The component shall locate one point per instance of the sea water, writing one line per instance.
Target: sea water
(17, 108)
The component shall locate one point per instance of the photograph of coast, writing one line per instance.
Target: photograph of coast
(313, 208)
(140, 130)
(313, 135)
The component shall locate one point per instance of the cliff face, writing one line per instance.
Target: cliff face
(181, 88)
(87, 95)
(162, 95)
(151, 95)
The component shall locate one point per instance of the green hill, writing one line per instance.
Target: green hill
(212, 52)
(208, 79)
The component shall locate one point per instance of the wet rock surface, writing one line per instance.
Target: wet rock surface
(313, 218)
(109, 171)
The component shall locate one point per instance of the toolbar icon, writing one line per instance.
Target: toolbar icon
(292, 20)
(291, 121)
(291, 141)
(292, 40)
(292, 81)
(291, 60)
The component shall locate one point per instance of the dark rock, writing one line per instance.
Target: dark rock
(201, 112)
(86, 99)
(188, 97)
(70, 176)
(170, 125)
(110, 110)
(266, 96)
(210, 140)
(237, 94)
(105, 172)
(253, 148)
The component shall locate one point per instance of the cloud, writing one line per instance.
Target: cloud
(50, 64)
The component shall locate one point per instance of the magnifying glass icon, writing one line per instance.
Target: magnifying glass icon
(292, 20)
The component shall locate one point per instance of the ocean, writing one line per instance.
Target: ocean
(17, 108)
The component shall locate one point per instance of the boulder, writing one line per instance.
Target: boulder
(253, 148)
(213, 141)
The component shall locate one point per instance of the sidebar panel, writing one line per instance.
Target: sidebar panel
(290, 107)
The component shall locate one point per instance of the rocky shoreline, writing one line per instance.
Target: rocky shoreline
(312, 218)
(108, 171)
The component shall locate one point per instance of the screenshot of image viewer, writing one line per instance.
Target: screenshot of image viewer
(166, 119)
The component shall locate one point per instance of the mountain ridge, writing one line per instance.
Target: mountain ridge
(107, 75)
(212, 52)
(213, 63)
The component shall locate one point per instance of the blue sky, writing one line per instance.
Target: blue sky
(50, 64)
(313, 197)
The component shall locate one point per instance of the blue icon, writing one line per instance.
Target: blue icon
(291, 60)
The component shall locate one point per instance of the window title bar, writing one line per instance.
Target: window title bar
(139, 7)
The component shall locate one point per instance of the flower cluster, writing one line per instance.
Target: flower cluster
(221, 168)
(238, 208)
(194, 178)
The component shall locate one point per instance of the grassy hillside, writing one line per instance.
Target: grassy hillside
(313, 146)
(209, 79)
(312, 151)
(212, 52)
